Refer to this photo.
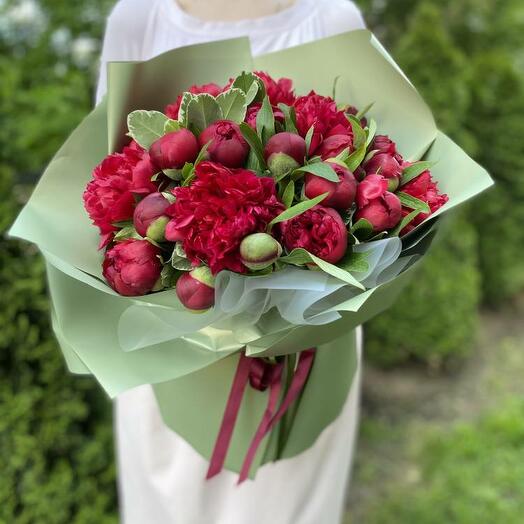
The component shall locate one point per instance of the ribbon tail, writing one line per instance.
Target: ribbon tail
(262, 430)
(230, 416)
(269, 420)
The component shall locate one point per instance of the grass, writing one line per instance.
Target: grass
(446, 449)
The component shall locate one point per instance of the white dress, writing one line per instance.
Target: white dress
(161, 478)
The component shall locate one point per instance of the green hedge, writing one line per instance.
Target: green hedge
(464, 58)
(435, 318)
(470, 475)
(56, 457)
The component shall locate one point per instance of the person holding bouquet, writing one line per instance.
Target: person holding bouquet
(161, 477)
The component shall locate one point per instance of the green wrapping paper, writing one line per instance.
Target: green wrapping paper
(192, 374)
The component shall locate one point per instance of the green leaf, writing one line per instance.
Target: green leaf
(356, 158)
(362, 228)
(414, 170)
(404, 222)
(355, 262)
(254, 142)
(173, 174)
(168, 276)
(412, 202)
(364, 111)
(371, 131)
(359, 135)
(179, 250)
(297, 209)
(265, 121)
(171, 125)
(309, 138)
(169, 196)
(290, 118)
(146, 126)
(334, 89)
(251, 85)
(321, 169)
(202, 154)
(288, 194)
(370, 155)
(202, 111)
(233, 104)
(125, 233)
(184, 103)
(300, 254)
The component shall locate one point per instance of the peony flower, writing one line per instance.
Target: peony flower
(333, 145)
(212, 89)
(424, 188)
(174, 149)
(278, 91)
(320, 230)
(321, 112)
(149, 217)
(108, 198)
(341, 195)
(132, 267)
(381, 208)
(218, 210)
(227, 145)
(196, 289)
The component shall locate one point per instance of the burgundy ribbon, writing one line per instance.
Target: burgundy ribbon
(261, 375)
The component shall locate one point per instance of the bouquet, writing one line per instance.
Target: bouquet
(285, 212)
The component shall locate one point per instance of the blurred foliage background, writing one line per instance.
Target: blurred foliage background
(429, 355)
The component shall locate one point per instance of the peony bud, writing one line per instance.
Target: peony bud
(173, 150)
(383, 212)
(384, 165)
(341, 194)
(384, 144)
(333, 146)
(132, 267)
(279, 164)
(227, 145)
(290, 144)
(196, 289)
(149, 217)
(259, 250)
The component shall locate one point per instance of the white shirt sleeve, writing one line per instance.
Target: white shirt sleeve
(124, 37)
(340, 16)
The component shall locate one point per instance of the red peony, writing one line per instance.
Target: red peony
(132, 267)
(319, 230)
(108, 198)
(424, 188)
(321, 112)
(381, 208)
(219, 209)
(278, 91)
(172, 109)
